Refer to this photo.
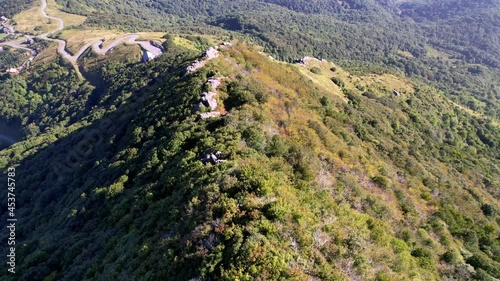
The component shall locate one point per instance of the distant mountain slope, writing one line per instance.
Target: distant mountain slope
(326, 176)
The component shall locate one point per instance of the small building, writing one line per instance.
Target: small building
(147, 56)
(396, 93)
(2, 18)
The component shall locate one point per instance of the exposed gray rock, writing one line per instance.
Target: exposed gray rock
(197, 64)
(207, 115)
(214, 158)
(211, 53)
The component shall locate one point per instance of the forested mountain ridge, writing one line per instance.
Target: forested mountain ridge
(327, 175)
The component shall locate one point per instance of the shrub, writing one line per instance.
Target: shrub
(450, 257)
(276, 147)
(380, 181)
(238, 96)
(425, 258)
(480, 260)
(117, 187)
(370, 95)
(325, 101)
(338, 82)
(275, 210)
(383, 276)
(341, 153)
(316, 70)
(254, 138)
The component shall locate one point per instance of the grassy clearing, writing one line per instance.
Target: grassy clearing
(323, 78)
(121, 53)
(184, 43)
(433, 53)
(405, 54)
(31, 21)
(46, 56)
(476, 114)
(384, 84)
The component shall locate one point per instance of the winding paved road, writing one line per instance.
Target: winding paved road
(96, 44)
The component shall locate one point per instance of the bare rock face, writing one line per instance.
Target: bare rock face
(207, 115)
(208, 100)
(212, 53)
(214, 158)
(197, 107)
(195, 66)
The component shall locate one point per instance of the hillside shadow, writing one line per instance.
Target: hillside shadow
(57, 193)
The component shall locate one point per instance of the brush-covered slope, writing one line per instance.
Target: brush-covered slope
(451, 44)
(327, 176)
